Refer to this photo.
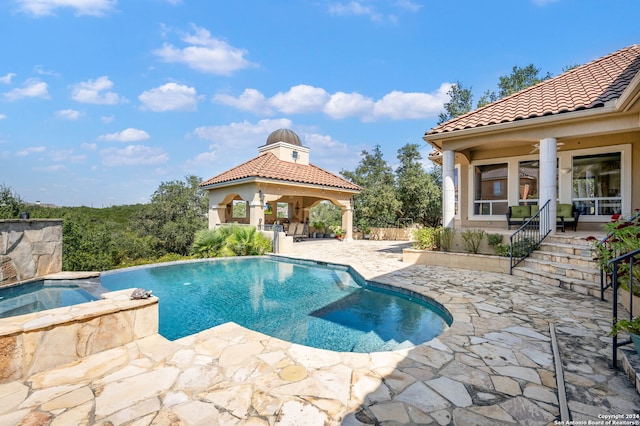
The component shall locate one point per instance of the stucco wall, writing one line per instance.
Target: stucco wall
(29, 248)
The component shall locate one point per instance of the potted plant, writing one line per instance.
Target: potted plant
(366, 232)
(339, 232)
(632, 327)
(319, 229)
(332, 231)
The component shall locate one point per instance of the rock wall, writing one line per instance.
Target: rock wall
(29, 248)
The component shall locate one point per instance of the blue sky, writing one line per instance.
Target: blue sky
(103, 100)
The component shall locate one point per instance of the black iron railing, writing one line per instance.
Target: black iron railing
(529, 236)
(613, 265)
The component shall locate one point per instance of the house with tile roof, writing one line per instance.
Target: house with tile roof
(279, 185)
(573, 139)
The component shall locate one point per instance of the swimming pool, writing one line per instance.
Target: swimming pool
(323, 306)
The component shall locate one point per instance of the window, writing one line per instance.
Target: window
(283, 211)
(490, 192)
(596, 188)
(239, 209)
(528, 172)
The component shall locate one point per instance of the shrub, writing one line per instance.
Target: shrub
(623, 236)
(495, 241)
(426, 239)
(472, 239)
(230, 241)
(446, 238)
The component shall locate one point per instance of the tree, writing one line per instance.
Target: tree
(488, 97)
(520, 79)
(460, 102)
(418, 191)
(376, 205)
(10, 203)
(176, 211)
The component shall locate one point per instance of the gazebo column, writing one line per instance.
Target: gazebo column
(347, 221)
(548, 155)
(448, 189)
(217, 215)
(256, 213)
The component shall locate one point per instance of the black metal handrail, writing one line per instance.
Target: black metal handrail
(528, 237)
(604, 270)
(613, 266)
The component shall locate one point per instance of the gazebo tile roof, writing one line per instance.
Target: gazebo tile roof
(268, 166)
(585, 87)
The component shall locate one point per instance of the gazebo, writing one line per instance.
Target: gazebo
(279, 186)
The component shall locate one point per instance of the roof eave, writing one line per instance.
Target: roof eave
(258, 180)
(436, 139)
(631, 95)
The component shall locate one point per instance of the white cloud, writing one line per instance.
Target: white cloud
(300, 99)
(69, 114)
(409, 5)
(80, 7)
(134, 155)
(205, 53)
(170, 97)
(401, 105)
(127, 135)
(3, 116)
(354, 8)
(107, 118)
(31, 150)
(89, 146)
(250, 100)
(51, 169)
(96, 92)
(7, 78)
(342, 105)
(242, 134)
(303, 98)
(33, 88)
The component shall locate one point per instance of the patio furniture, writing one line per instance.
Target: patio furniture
(297, 231)
(566, 215)
(517, 215)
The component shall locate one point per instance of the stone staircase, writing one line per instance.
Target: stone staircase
(565, 261)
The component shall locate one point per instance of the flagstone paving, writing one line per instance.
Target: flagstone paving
(494, 365)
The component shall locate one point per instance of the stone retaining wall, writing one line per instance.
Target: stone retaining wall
(29, 248)
(42, 340)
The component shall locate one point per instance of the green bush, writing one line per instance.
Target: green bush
(446, 238)
(426, 239)
(495, 241)
(472, 239)
(231, 240)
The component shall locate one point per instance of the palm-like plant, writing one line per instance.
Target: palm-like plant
(231, 240)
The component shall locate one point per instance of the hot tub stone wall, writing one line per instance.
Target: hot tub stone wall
(29, 248)
(42, 340)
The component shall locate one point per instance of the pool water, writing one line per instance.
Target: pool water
(300, 302)
(45, 294)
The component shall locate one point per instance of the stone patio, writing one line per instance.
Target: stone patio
(494, 365)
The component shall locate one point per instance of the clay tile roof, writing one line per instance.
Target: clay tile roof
(585, 87)
(268, 166)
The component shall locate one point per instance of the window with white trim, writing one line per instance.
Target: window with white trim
(490, 189)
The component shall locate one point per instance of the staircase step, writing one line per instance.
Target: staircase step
(562, 281)
(567, 239)
(564, 258)
(562, 269)
(566, 248)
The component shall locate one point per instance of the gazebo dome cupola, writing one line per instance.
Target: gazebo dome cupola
(285, 144)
